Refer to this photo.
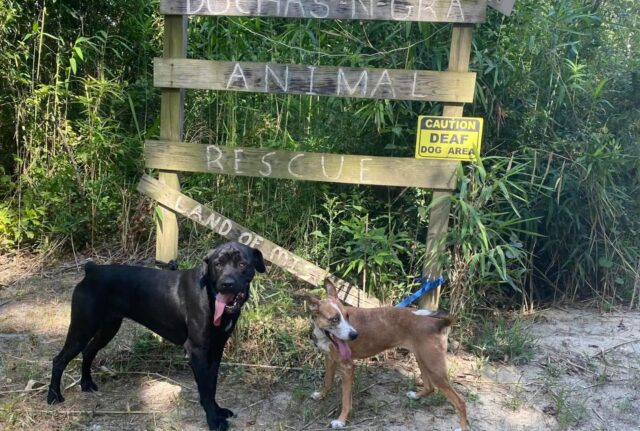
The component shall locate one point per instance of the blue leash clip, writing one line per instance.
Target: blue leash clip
(425, 287)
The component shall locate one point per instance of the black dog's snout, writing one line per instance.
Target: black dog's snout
(227, 285)
(353, 335)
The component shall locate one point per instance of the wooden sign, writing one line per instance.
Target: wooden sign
(449, 138)
(459, 11)
(267, 163)
(304, 270)
(503, 6)
(315, 80)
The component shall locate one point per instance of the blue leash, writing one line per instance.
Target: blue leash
(427, 285)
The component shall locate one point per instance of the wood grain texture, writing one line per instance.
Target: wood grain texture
(171, 124)
(267, 163)
(456, 11)
(304, 270)
(459, 57)
(315, 80)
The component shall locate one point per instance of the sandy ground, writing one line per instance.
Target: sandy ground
(585, 376)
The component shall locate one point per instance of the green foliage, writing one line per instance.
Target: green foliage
(504, 340)
(549, 213)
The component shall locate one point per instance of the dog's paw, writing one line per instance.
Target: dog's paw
(219, 425)
(412, 395)
(316, 395)
(54, 397)
(88, 386)
(336, 423)
(225, 413)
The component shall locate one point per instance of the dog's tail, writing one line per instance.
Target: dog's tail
(444, 319)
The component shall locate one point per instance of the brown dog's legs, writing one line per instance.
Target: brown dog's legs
(346, 372)
(427, 386)
(435, 368)
(329, 374)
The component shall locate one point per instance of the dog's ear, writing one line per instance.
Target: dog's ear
(332, 292)
(314, 300)
(258, 261)
(209, 255)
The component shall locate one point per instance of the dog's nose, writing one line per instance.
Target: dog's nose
(353, 335)
(227, 284)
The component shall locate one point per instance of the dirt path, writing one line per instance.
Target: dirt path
(585, 376)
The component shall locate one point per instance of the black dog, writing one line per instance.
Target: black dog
(197, 308)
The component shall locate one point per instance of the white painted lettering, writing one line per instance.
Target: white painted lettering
(191, 10)
(385, 79)
(214, 154)
(210, 6)
(178, 206)
(320, 15)
(455, 3)
(257, 240)
(428, 9)
(399, 18)
(245, 238)
(196, 213)
(213, 221)
(225, 227)
(268, 70)
(296, 2)
(354, 6)
(277, 254)
(313, 71)
(324, 171)
(342, 78)
(237, 73)
(363, 169)
(243, 11)
(415, 85)
(297, 156)
(267, 164)
(238, 157)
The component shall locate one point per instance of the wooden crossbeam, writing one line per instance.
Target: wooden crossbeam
(459, 11)
(301, 268)
(268, 163)
(396, 84)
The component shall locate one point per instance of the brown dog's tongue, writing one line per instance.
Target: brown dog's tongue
(343, 349)
(222, 300)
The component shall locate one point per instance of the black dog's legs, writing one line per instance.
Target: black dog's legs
(206, 387)
(215, 356)
(105, 334)
(77, 338)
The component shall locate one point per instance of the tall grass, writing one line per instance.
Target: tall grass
(549, 213)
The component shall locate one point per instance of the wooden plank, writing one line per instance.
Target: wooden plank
(171, 124)
(267, 163)
(459, 57)
(315, 80)
(459, 11)
(503, 6)
(304, 270)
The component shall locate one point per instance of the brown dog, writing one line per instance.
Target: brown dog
(347, 333)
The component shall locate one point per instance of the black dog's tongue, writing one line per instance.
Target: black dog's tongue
(222, 300)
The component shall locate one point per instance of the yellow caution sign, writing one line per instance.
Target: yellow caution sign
(448, 138)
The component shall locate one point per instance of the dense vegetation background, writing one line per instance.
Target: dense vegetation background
(552, 212)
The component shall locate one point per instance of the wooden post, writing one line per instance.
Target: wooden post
(171, 125)
(459, 57)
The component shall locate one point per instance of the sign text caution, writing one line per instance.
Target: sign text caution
(448, 138)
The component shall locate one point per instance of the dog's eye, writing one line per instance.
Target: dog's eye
(335, 319)
(217, 264)
(242, 265)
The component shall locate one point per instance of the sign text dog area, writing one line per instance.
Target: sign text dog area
(448, 138)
